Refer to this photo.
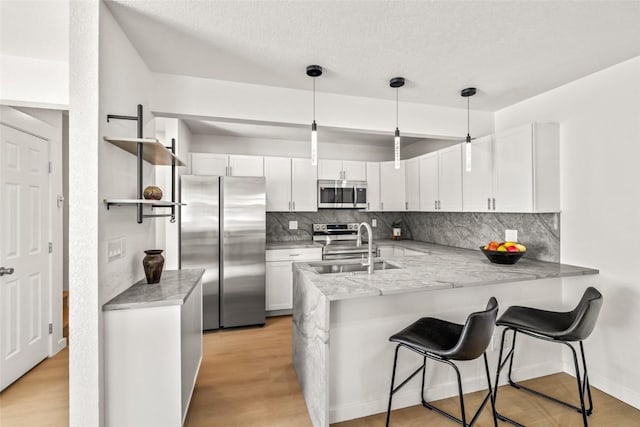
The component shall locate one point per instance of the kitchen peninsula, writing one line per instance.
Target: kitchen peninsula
(342, 322)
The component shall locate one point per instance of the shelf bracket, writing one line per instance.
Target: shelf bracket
(139, 153)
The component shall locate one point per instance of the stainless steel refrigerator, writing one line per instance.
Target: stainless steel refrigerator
(222, 229)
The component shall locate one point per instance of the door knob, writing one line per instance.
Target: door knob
(7, 271)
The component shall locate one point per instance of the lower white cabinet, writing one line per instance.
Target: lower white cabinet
(152, 356)
(279, 276)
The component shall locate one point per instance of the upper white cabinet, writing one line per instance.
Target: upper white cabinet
(526, 169)
(342, 169)
(441, 180)
(226, 165)
(392, 187)
(373, 186)
(412, 184)
(209, 164)
(291, 185)
(477, 184)
(429, 182)
(277, 173)
(450, 179)
(304, 186)
(245, 165)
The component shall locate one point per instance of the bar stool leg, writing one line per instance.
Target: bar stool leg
(585, 380)
(501, 364)
(464, 416)
(580, 387)
(493, 406)
(393, 378)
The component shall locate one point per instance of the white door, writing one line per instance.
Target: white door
(477, 184)
(209, 164)
(279, 285)
(354, 170)
(412, 168)
(429, 182)
(450, 179)
(513, 170)
(304, 186)
(330, 169)
(392, 186)
(24, 225)
(277, 172)
(245, 165)
(373, 186)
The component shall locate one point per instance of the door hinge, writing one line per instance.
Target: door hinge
(50, 328)
(50, 247)
(50, 167)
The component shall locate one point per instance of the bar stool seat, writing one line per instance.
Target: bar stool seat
(560, 327)
(444, 341)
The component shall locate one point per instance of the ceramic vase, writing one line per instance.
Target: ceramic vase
(152, 264)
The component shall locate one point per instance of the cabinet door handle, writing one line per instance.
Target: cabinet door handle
(368, 208)
(489, 203)
(230, 170)
(435, 205)
(294, 205)
(226, 171)
(406, 206)
(494, 203)
(381, 206)
(289, 204)
(294, 254)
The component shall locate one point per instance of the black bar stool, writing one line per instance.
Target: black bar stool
(444, 341)
(560, 327)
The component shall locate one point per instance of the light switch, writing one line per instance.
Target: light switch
(115, 249)
(510, 235)
(293, 225)
(374, 222)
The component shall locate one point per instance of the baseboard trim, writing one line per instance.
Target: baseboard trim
(612, 388)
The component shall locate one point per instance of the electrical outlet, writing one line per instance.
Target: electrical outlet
(293, 225)
(115, 249)
(374, 222)
(510, 235)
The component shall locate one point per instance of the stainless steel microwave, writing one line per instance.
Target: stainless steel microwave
(342, 194)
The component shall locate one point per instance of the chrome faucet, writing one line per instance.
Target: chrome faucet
(369, 262)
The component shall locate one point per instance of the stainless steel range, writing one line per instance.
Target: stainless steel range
(339, 241)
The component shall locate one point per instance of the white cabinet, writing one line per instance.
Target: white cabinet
(477, 184)
(342, 169)
(209, 164)
(373, 186)
(429, 182)
(412, 186)
(392, 187)
(291, 185)
(441, 180)
(279, 275)
(152, 355)
(245, 165)
(450, 179)
(226, 165)
(526, 169)
(304, 186)
(277, 173)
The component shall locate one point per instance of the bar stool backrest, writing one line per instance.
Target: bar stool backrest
(584, 316)
(476, 333)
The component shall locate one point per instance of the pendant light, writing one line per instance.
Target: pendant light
(396, 82)
(467, 93)
(314, 71)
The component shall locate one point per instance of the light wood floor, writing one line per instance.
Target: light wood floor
(247, 379)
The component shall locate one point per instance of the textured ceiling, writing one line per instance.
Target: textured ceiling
(292, 133)
(510, 50)
(35, 28)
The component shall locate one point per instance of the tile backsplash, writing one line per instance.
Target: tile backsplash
(540, 232)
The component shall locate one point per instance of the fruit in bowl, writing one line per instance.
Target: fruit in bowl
(504, 252)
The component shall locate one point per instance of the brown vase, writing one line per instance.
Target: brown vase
(152, 193)
(152, 264)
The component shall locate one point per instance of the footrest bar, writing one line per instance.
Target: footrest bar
(546, 396)
(508, 420)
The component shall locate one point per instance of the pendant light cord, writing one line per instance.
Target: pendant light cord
(314, 99)
(396, 108)
(468, 116)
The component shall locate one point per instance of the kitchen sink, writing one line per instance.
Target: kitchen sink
(351, 268)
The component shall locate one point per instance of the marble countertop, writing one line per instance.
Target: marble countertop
(441, 267)
(293, 244)
(174, 288)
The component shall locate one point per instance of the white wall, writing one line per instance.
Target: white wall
(286, 148)
(34, 82)
(199, 97)
(599, 118)
(108, 77)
